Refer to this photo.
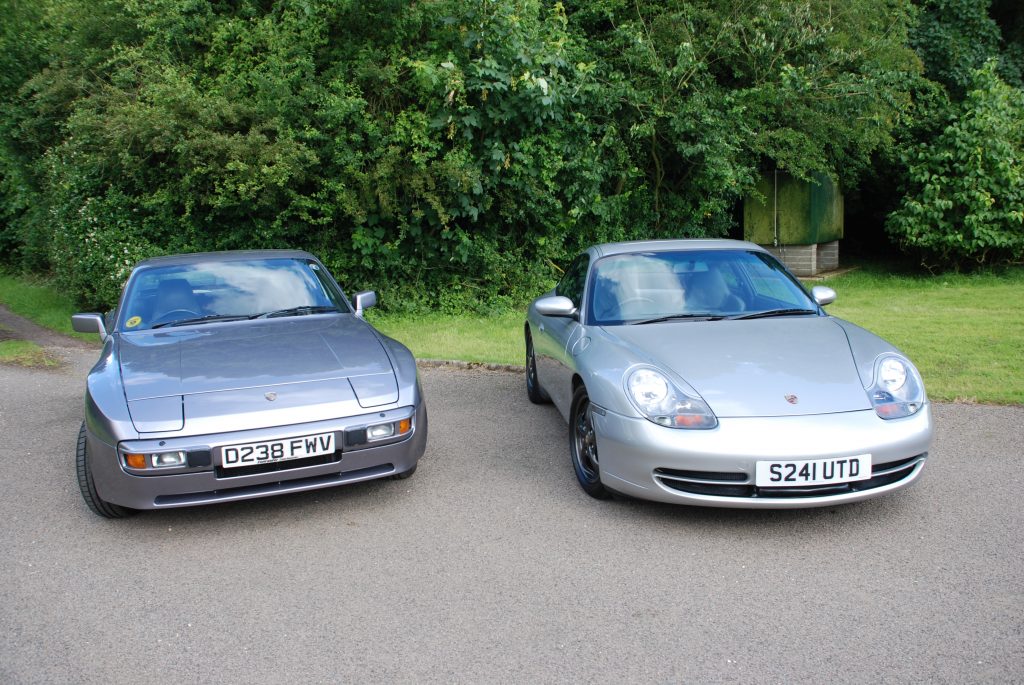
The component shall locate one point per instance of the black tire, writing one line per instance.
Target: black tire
(88, 487)
(583, 446)
(405, 474)
(533, 389)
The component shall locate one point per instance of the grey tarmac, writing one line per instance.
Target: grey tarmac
(490, 565)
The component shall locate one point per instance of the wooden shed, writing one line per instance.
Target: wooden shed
(801, 222)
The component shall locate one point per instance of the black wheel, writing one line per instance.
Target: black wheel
(405, 474)
(583, 446)
(88, 487)
(533, 389)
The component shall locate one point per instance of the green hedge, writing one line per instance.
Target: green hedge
(449, 153)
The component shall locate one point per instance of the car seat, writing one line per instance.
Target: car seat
(707, 291)
(174, 294)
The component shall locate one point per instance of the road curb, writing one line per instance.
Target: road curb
(456, 364)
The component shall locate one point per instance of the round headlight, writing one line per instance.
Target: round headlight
(897, 390)
(892, 374)
(660, 400)
(647, 387)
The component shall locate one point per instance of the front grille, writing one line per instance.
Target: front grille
(239, 492)
(702, 475)
(740, 485)
(278, 466)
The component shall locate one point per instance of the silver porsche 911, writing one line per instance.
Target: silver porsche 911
(232, 375)
(702, 372)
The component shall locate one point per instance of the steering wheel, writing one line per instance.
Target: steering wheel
(175, 314)
(623, 304)
(636, 299)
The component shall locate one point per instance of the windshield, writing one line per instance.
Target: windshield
(224, 290)
(648, 287)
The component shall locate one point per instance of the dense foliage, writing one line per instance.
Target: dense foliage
(452, 152)
(960, 166)
(967, 197)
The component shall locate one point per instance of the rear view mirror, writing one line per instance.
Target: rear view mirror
(556, 305)
(364, 300)
(89, 323)
(823, 295)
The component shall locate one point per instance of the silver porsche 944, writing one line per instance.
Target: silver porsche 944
(702, 372)
(232, 375)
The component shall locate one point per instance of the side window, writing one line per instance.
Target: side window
(328, 287)
(574, 279)
(729, 276)
(769, 281)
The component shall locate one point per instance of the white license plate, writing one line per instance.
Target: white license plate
(249, 453)
(793, 474)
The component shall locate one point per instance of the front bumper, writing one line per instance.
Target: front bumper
(716, 468)
(210, 484)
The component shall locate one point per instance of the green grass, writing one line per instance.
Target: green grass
(41, 302)
(27, 354)
(964, 332)
(497, 339)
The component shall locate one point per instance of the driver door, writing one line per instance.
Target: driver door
(556, 336)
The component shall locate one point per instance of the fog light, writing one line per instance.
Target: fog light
(135, 461)
(166, 459)
(380, 431)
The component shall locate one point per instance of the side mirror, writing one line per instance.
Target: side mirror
(823, 295)
(555, 305)
(364, 300)
(89, 323)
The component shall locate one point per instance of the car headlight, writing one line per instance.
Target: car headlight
(897, 390)
(661, 401)
(378, 431)
(156, 460)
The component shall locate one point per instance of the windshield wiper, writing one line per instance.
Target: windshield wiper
(202, 319)
(774, 312)
(296, 311)
(703, 316)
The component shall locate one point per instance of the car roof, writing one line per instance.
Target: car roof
(224, 256)
(606, 249)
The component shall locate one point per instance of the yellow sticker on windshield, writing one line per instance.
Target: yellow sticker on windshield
(133, 322)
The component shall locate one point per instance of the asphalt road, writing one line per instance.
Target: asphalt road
(491, 566)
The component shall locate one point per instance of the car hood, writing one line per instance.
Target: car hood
(206, 372)
(763, 367)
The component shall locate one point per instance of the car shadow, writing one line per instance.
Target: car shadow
(354, 500)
